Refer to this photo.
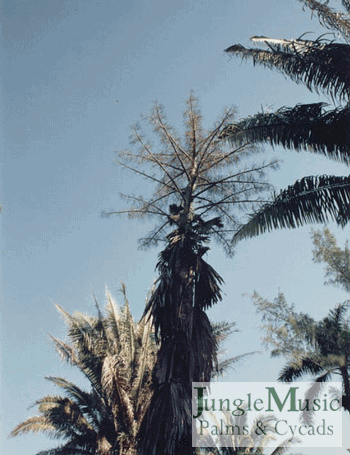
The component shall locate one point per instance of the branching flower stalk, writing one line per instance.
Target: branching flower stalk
(194, 177)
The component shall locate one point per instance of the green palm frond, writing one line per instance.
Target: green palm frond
(102, 327)
(116, 386)
(82, 333)
(36, 424)
(114, 371)
(296, 369)
(222, 330)
(318, 65)
(113, 319)
(303, 127)
(71, 389)
(146, 355)
(309, 200)
(93, 374)
(65, 351)
(67, 417)
(336, 316)
(128, 334)
(80, 330)
(88, 343)
(335, 329)
(87, 402)
(59, 416)
(225, 365)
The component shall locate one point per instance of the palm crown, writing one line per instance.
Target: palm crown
(201, 183)
(117, 357)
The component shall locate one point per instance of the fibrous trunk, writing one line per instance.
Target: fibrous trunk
(186, 286)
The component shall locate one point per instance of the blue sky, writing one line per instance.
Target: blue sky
(76, 75)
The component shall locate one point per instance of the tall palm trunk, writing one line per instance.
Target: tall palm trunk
(188, 349)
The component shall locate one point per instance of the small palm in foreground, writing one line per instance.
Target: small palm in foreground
(117, 356)
(320, 65)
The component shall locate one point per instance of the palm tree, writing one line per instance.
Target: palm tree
(117, 357)
(328, 354)
(321, 65)
(196, 177)
(317, 348)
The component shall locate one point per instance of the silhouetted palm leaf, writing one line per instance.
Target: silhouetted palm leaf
(310, 200)
(318, 65)
(304, 127)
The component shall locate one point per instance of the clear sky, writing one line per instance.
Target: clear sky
(75, 76)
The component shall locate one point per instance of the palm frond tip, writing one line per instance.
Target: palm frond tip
(320, 66)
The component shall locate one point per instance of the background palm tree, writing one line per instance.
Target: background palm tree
(320, 349)
(117, 356)
(321, 65)
(196, 178)
(328, 354)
